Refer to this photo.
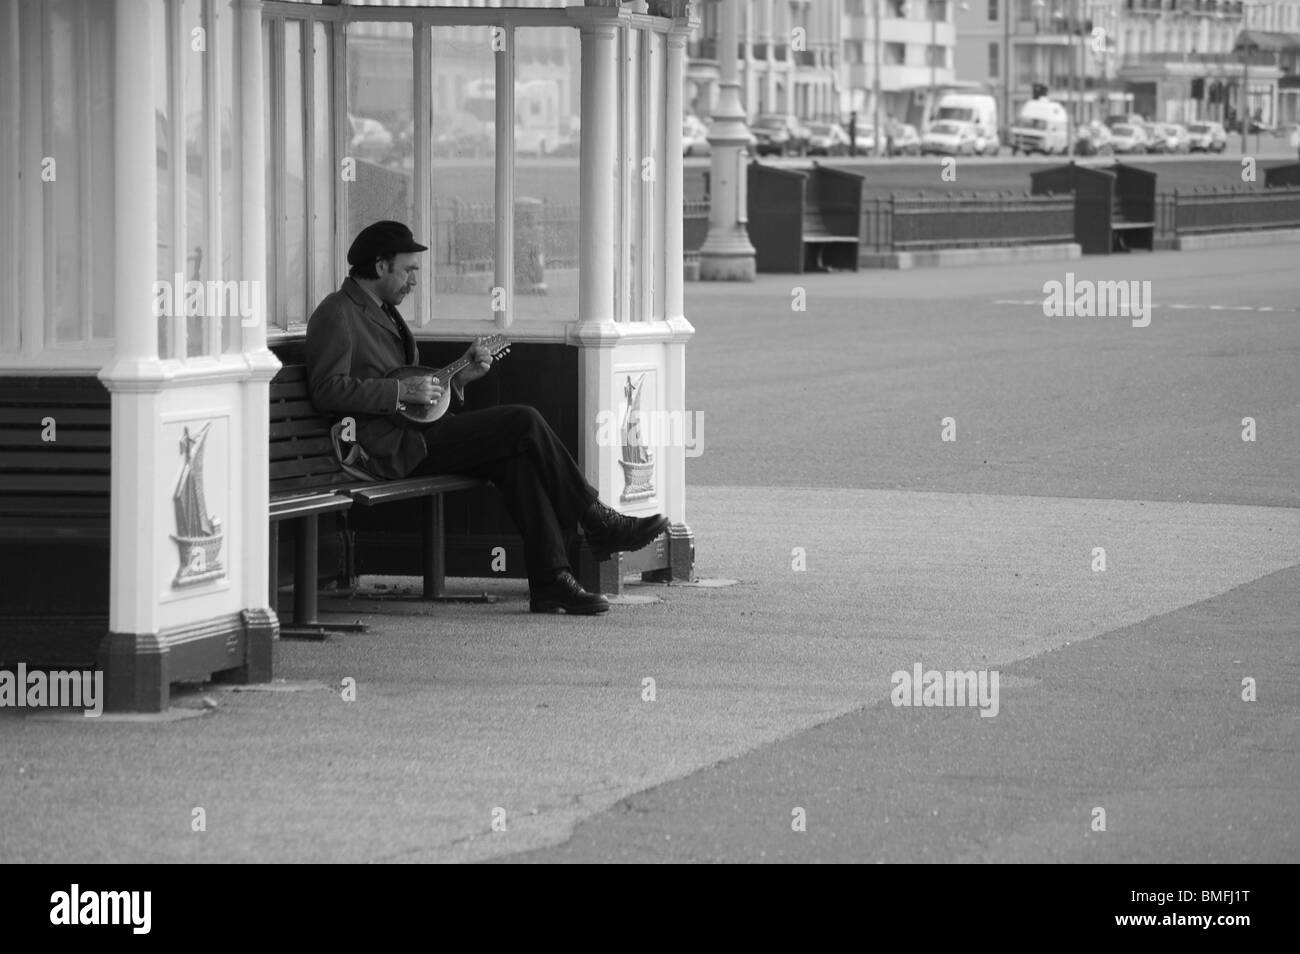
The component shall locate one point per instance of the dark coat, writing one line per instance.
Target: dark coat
(351, 345)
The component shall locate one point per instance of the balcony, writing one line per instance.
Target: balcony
(1205, 8)
(1258, 58)
(1044, 24)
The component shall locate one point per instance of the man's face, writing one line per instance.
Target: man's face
(396, 280)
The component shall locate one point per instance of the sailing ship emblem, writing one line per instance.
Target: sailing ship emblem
(198, 535)
(638, 461)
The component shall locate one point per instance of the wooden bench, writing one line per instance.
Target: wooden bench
(1114, 205)
(799, 217)
(1120, 223)
(307, 481)
(55, 493)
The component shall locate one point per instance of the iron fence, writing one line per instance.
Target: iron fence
(917, 223)
(1205, 211)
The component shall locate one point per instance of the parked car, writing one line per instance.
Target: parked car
(1129, 138)
(1206, 137)
(906, 141)
(780, 136)
(1177, 140)
(1093, 139)
(695, 136)
(949, 138)
(827, 139)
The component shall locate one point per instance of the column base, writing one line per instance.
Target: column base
(727, 267)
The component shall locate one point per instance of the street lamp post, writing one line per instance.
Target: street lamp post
(875, 86)
(727, 254)
(929, 10)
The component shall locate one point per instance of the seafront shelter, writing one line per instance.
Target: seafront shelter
(180, 182)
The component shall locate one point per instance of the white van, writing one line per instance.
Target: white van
(1042, 126)
(978, 109)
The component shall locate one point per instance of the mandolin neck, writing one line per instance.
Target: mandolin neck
(445, 375)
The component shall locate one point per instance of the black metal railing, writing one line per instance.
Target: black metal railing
(913, 223)
(1204, 211)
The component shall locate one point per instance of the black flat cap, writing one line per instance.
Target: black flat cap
(381, 240)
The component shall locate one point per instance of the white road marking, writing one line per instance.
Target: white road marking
(1172, 306)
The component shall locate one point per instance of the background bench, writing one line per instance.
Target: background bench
(804, 219)
(1114, 206)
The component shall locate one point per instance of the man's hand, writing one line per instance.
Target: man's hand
(420, 390)
(480, 363)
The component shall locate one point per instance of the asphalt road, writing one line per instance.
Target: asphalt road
(1145, 722)
(851, 392)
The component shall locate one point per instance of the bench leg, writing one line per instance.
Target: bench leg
(433, 540)
(434, 558)
(273, 568)
(305, 625)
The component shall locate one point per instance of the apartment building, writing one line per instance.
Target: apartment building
(1170, 60)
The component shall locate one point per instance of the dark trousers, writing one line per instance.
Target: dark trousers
(544, 489)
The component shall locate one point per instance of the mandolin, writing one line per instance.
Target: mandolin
(497, 345)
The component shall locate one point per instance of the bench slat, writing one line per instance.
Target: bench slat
(283, 430)
(67, 437)
(56, 456)
(303, 466)
(305, 504)
(55, 483)
(302, 447)
(391, 490)
(293, 410)
(79, 416)
(287, 486)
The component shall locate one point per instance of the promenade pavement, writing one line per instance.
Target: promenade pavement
(851, 559)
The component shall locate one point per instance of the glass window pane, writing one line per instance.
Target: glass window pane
(232, 266)
(547, 109)
(99, 154)
(462, 155)
(198, 264)
(274, 314)
(162, 134)
(380, 117)
(325, 173)
(293, 268)
(64, 195)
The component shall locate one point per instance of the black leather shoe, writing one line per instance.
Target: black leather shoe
(609, 531)
(565, 594)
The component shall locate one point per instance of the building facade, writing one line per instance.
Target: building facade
(790, 57)
(1169, 60)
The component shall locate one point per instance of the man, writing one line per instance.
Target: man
(356, 336)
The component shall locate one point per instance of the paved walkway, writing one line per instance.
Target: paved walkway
(1121, 688)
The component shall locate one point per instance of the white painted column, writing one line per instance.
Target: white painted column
(674, 294)
(135, 370)
(254, 436)
(596, 331)
(597, 173)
